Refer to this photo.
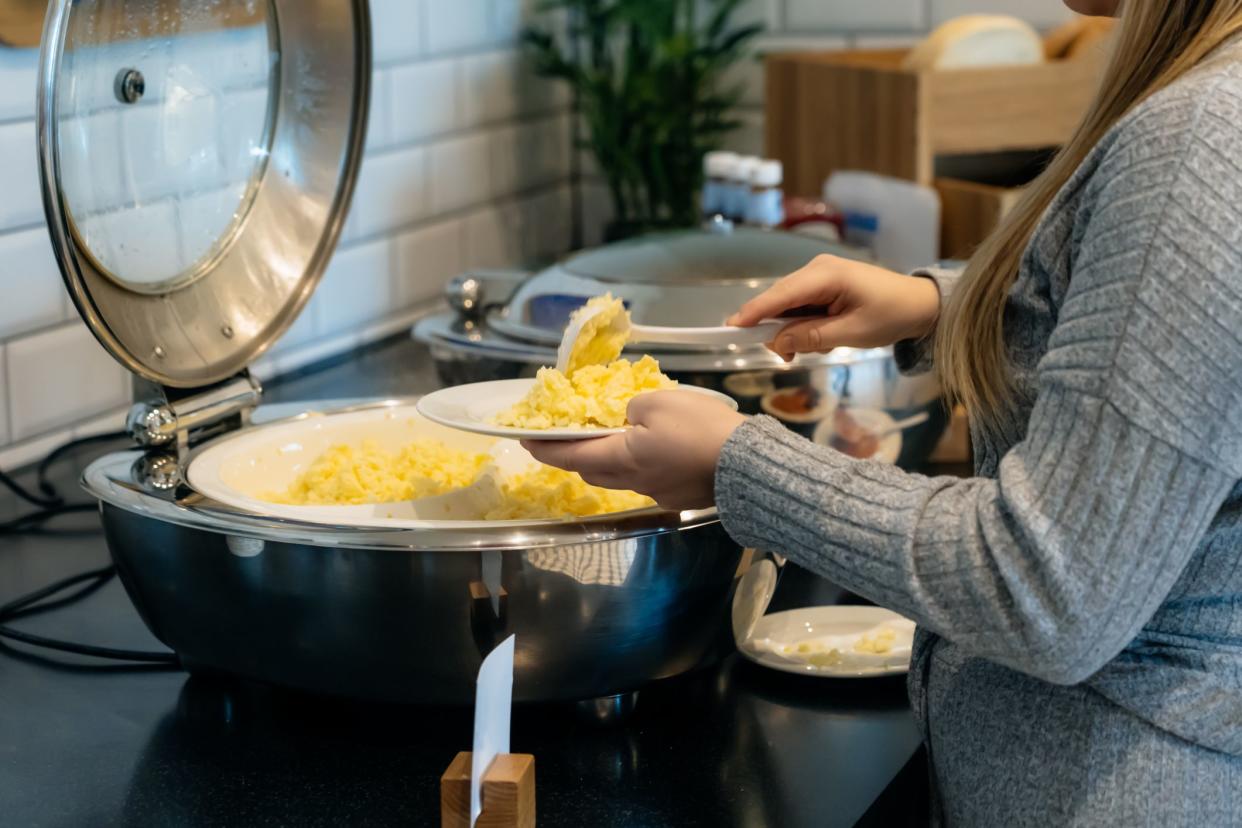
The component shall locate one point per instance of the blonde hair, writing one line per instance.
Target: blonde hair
(1156, 43)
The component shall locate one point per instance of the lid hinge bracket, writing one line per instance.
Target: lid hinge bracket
(169, 418)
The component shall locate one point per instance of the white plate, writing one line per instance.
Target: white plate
(837, 627)
(869, 418)
(472, 407)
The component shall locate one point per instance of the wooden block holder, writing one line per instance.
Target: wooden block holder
(508, 793)
(862, 110)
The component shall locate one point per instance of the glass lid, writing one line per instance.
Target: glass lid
(689, 278)
(198, 157)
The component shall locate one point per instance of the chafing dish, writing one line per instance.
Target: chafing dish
(193, 203)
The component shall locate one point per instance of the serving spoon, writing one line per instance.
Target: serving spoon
(723, 335)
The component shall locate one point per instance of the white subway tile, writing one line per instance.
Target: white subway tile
(459, 173)
(356, 289)
(1042, 15)
(392, 192)
(848, 15)
(397, 29)
(530, 155)
(597, 212)
(4, 402)
(457, 25)
(302, 330)
(507, 18)
(32, 294)
(19, 72)
(424, 100)
(490, 87)
(379, 119)
(22, 202)
(547, 223)
(427, 259)
(59, 377)
(494, 238)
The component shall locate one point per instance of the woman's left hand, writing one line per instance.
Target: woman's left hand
(669, 455)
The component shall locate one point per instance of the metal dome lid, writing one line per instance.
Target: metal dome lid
(197, 161)
(687, 278)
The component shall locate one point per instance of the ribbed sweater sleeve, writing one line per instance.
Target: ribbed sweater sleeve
(1134, 442)
(914, 356)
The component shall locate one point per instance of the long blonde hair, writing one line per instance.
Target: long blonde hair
(1157, 42)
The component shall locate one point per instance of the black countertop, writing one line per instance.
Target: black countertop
(91, 744)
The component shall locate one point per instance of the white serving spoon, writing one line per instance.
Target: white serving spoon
(902, 425)
(765, 331)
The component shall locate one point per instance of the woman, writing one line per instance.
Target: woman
(1080, 600)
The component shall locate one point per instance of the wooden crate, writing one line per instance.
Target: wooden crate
(859, 110)
(970, 211)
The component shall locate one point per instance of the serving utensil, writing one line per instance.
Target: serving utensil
(723, 335)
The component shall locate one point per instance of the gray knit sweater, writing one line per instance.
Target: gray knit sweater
(1080, 599)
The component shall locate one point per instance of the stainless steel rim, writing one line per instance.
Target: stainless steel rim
(111, 480)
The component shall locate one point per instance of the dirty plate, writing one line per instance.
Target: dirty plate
(820, 641)
(472, 408)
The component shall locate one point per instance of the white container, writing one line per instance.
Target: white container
(766, 204)
(899, 221)
(739, 187)
(719, 169)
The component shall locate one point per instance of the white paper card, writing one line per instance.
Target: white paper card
(493, 704)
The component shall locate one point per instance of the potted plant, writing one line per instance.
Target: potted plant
(648, 83)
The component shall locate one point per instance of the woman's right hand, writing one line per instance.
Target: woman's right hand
(868, 307)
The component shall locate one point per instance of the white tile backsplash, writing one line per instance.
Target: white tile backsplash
(458, 25)
(356, 289)
(467, 166)
(31, 292)
(397, 29)
(58, 375)
(459, 173)
(428, 258)
(839, 16)
(19, 72)
(424, 100)
(495, 238)
(21, 200)
(392, 192)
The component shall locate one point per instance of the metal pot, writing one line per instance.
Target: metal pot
(507, 324)
(375, 611)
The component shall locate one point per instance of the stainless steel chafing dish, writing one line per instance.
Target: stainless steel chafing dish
(507, 323)
(197, 166)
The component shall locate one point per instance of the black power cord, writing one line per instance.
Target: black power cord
(52, 504)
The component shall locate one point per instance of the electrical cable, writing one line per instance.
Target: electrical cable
(44, 599)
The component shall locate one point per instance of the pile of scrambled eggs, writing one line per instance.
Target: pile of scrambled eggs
(597, 386)
(551, 493)
(349, 476)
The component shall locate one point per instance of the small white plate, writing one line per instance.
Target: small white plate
(472, 408)
(829, 628)
(870, 418)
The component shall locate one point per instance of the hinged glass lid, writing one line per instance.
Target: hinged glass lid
(197, 158)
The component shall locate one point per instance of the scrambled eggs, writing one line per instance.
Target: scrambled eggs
(348, 476)
(603, 337)
(597, 388)
(551, 493)
(878, 644)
